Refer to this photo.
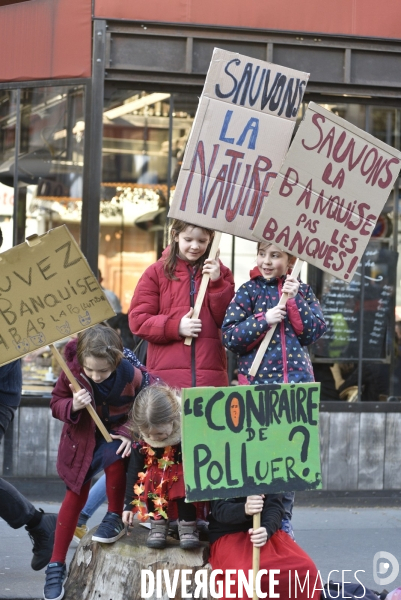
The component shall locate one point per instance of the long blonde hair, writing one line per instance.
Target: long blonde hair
(170, 263)
(154, 406)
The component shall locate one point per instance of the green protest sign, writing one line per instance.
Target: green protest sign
(245, 440)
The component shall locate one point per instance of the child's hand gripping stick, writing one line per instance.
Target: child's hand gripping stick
(205, 280)
(266, 340)
(77, 387)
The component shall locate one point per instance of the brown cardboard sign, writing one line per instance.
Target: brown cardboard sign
(47, 292)
(240, 135)
(329, 193)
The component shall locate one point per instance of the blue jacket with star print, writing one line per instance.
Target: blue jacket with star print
(286, 359)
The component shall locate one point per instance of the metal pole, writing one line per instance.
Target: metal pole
(16, 156)
(92, 178)
(169, 163)
(361, 318)
(233, 254)
(396, 212)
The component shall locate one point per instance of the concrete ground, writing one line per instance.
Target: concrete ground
(17, 579)
(338, 539)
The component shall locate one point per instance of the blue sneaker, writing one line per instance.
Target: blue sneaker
(286, 526)
(55, 575)
(110, 529)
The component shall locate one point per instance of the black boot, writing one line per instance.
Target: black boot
(42, 537)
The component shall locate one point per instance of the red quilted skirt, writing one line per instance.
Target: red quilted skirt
(234, 551)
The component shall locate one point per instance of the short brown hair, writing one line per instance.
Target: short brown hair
(100, 341)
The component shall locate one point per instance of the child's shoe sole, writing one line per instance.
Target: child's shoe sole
(58, 597)
(156, 545)
(189, 544)
(96, 538)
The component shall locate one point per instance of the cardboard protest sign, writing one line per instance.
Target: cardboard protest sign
(240, 135)
(329, 193)
(245, 440)
(47, 292)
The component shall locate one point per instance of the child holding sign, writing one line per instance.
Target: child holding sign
(254, 310)
(162, 306)
(155, 481)
(110, 383)
(289, 571)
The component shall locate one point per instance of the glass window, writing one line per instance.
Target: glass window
(135, 188)
(381, 122)
(50, 158)
(141, 164)
(47, 125)
(8, 120)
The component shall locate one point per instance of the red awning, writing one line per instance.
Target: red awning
(344, 17)
(45, 39)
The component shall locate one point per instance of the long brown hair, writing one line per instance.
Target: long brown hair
(100, 341)
(170, 263)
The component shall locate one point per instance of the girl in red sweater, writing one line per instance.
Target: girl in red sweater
(162, 306)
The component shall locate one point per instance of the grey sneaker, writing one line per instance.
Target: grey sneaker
(158, 534)
(189, 534)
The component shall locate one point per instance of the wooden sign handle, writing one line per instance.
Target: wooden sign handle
(266, 340)
(255, 556)
(77, 387)
(205, 280)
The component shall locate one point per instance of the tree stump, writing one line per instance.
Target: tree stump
(113, 571)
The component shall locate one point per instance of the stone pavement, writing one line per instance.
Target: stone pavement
(340, 538)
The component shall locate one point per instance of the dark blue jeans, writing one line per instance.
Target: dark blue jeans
(288, 501)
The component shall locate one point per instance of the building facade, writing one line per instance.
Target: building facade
(97, 100)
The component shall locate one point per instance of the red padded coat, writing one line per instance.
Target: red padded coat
(156, 310)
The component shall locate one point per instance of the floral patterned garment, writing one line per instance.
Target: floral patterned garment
(155, 475)
(286, 359)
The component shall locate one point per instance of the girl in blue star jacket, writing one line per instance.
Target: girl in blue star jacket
(254, 311)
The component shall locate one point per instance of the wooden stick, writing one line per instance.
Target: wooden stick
(266, 340)
(77, 387)
(205, 280)
(255, 556)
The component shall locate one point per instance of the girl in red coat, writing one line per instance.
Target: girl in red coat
(110, 383)
(162, 306)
